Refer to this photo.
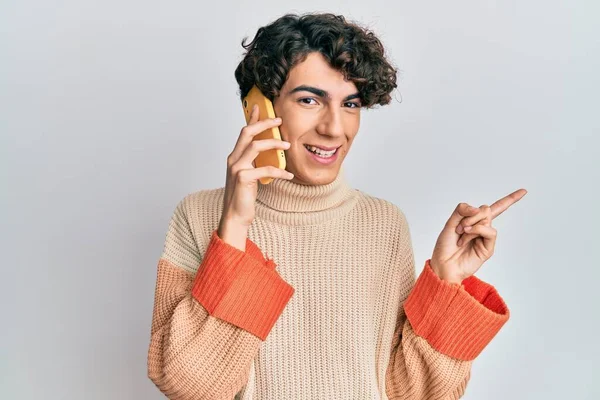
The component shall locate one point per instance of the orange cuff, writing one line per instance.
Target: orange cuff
(253, 250)
(241, 288)
(456, 320)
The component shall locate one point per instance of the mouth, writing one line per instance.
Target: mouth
(324, 156)
(322, 152)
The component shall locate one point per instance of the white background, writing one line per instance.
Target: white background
(112, 111)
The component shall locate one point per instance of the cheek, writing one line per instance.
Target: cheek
(351, 135)
(351, 126)
(345, 149)
(292, 129)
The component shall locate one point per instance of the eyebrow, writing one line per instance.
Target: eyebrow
(321, 92)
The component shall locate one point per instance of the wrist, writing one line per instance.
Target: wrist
(450, 278)
(233, 233)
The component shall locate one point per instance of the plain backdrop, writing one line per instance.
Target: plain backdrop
(111, 112)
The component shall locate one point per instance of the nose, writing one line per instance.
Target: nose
(331, 123)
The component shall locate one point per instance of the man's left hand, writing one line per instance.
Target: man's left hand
(468, 239)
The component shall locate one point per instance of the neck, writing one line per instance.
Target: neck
(293, 203)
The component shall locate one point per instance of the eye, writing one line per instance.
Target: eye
(352, 104)
(303, 101)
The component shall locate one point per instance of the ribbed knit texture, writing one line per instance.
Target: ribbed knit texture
(323, 304)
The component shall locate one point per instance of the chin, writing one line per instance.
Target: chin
(313, 178)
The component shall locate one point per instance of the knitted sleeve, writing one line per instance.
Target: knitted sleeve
(207, 325)
(441, 328)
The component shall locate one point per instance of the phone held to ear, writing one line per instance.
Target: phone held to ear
(274, 157)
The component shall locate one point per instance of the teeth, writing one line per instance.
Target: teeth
(320, 152)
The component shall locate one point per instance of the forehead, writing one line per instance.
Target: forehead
(316, 71)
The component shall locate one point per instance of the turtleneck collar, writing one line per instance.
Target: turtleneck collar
(290, 203)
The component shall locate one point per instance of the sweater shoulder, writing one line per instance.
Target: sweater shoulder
(381, 209)
(387, 219)
(202, 210)
(203, 199)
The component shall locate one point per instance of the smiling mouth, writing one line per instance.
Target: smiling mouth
(320, 152)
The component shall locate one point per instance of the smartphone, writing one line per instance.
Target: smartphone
(274, 157)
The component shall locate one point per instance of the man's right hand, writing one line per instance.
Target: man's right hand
(241, 184)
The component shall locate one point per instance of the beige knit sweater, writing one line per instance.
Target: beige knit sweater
(323, 304)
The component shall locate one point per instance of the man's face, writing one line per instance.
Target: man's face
(320, 111)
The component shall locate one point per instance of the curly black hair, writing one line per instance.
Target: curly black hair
(349, 48)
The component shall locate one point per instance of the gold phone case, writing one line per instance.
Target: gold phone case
(274, 157)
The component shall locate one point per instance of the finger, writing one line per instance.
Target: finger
(254, 174)
(486, 221)
(241, 141)
(487, 233)
(466, 238)
(462, 210)
(251, 130)
(247, 134)
(474, 232)
(257, 146)
(254, 115)
(502, 205)
(485, 213)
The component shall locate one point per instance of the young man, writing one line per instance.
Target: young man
(334, 310)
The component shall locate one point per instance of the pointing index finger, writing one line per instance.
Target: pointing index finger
(502, 205)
